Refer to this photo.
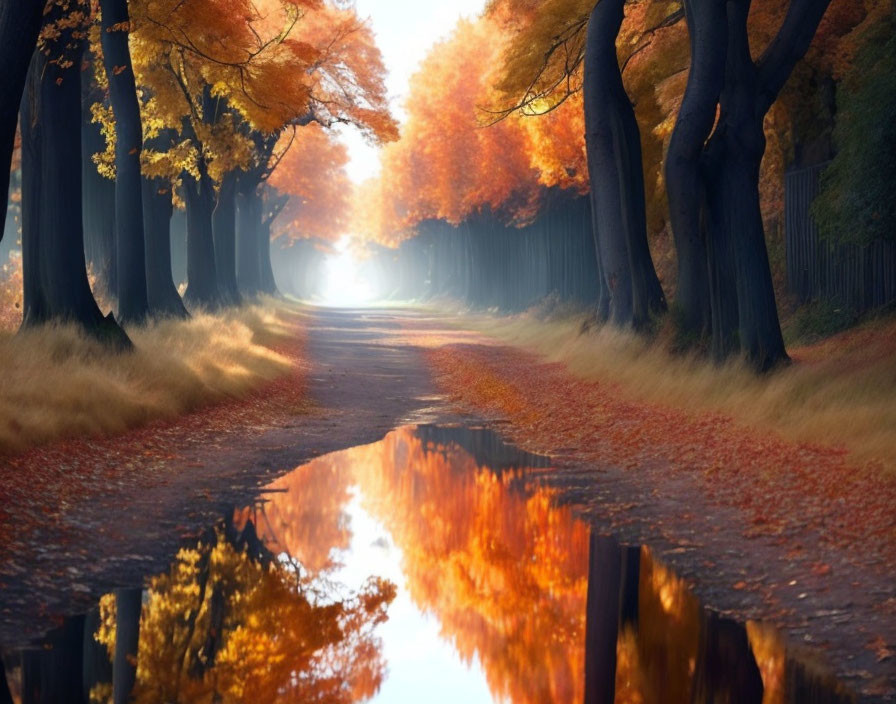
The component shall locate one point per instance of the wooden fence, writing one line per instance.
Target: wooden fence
(860, 277)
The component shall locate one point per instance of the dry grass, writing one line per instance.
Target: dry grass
(58, 383)
(839, 392)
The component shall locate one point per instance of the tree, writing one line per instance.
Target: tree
(20, 24)
(312, 174)
(231, 622)
(229, 83)
(158, 206)
(558, 49)
(202, 72)
(744, 310)
(133, 304)
(696, 118)
(54, 268)
(617, 179)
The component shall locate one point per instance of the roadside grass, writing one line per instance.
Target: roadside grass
(58, 383)
(838, 392)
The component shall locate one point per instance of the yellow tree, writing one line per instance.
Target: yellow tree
(229, 622)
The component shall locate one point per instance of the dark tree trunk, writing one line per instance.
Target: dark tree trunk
(128, 605)
(741, 277)
(20, 22)
(98, 197)
(733, 158)
(51, 673)
(613, 145)
(179, 247)
(224, 226)
(202, 278)
(268, 284)
(248, 257)
(54, 267)
(132, 300)
(726, 670)
(163, 298)
(602, 619)
(684, 186)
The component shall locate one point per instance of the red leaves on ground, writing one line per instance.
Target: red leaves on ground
(791, 492)
(42, 484)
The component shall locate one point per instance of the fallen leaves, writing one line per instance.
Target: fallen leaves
(40, 485)
(787, 491)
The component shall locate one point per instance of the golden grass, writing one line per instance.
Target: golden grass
(840, 392)
(58, 383)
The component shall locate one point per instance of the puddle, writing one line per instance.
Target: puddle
(424, 567)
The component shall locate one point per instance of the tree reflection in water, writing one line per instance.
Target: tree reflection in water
(505, 572)
(254, 612)
(231, 622)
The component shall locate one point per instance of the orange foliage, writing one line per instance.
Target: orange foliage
(312, 173)
(346, 73)
(448, 166)
(305, 518)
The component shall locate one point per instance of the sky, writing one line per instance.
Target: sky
(404, 29)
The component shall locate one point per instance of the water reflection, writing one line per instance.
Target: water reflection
(526, 599)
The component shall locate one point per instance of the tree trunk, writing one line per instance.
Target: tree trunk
(162, 295)
(248, 257)
(743, 296)
(5, 694)
(737, 246)
(128, 606)
(602, 619)
(708, 38)
(202, 279)
(54, 267)
(132, 299)
(98, 198)
(224, 227)
(20, 22)
(268, 284)
(725, 670)
(613, 146)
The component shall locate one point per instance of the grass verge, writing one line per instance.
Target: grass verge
(838, 392)
(57, 383)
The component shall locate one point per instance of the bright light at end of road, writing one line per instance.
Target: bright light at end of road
(344, 284)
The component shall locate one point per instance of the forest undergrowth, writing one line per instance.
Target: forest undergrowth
(836, 392)
(58, 383)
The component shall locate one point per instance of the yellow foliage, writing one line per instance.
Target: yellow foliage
(221, 626)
